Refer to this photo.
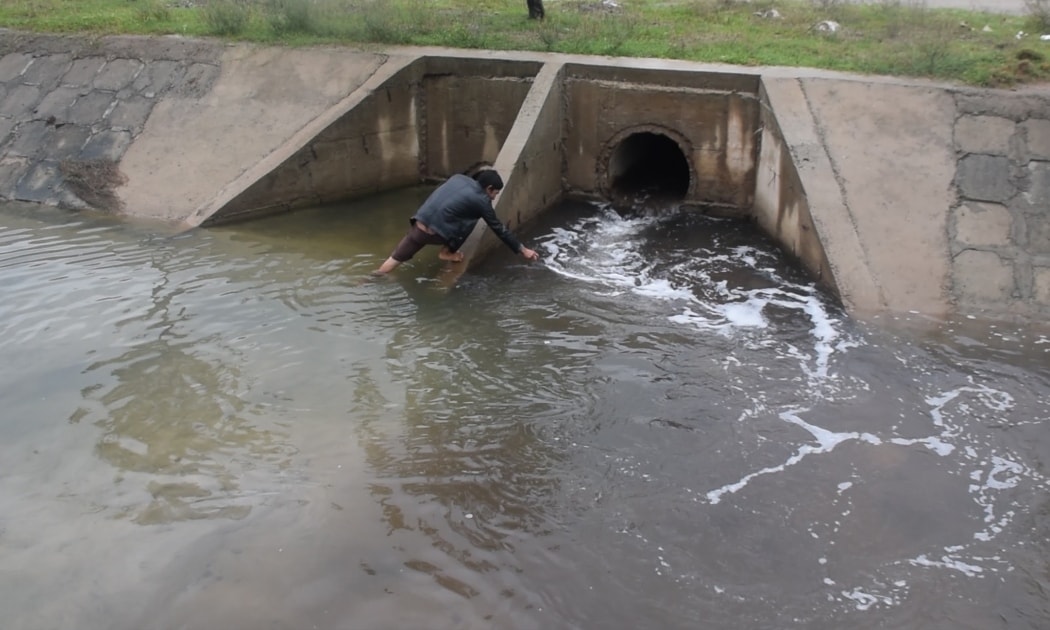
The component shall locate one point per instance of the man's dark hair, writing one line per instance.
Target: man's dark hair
(489, 177)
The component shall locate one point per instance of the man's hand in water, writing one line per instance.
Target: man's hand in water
(529, 254)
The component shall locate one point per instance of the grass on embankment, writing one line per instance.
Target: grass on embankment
(894, 37)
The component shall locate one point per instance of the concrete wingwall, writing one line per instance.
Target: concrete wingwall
(414, 120)
(896, 195)
(197, 148)
(782, 201)
(910, 197)
(364, 144)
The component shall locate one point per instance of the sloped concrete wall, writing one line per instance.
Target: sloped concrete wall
(371, 145)
(781, 207)
(195, 149)
(421, 122)
(925, 198)
(890, 148)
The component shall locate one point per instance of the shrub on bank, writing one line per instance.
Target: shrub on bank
(1039, 11)
(227, 17)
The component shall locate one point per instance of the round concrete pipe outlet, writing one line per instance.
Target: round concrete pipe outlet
(647, 164)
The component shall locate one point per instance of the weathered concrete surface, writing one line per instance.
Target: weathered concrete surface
(365, 143)
(891, 147)
(999, 230)
(711, 116)
(799, 197)
(415, 118)
(530, 163)
(940, 199)
(469, 107)
(260, 97)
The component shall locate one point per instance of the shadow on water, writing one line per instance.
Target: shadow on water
(452, 482)
(177, 420)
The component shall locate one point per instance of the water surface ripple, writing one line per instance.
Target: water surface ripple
(663, 424)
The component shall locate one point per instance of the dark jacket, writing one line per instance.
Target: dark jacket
(454, 208)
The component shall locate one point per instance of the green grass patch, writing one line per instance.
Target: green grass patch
(895, 37)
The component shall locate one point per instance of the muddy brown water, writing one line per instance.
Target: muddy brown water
(662, 425)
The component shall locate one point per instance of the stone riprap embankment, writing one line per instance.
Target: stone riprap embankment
(155, 127)
(69, 102)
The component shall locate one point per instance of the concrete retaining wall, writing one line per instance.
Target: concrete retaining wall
(924, 198)
(531, 159)
(197, 152)
(366, 144)
(470, 106)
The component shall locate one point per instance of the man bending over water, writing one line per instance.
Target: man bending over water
(449, 215)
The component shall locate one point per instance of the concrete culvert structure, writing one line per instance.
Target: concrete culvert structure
(650, 164)
(966, 170)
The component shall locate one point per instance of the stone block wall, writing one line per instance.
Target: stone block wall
(999, 230)
(66, 101)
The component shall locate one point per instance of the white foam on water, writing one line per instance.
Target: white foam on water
(877, 594)
(826, 441)
(1000, 465)
(744, 315)
(663, 289)
(604, 251)
(948, 562)
(747, 312)
(993, 473)
(934, 443)
(865, 600)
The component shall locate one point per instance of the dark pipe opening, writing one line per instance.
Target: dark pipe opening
(648, 165)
